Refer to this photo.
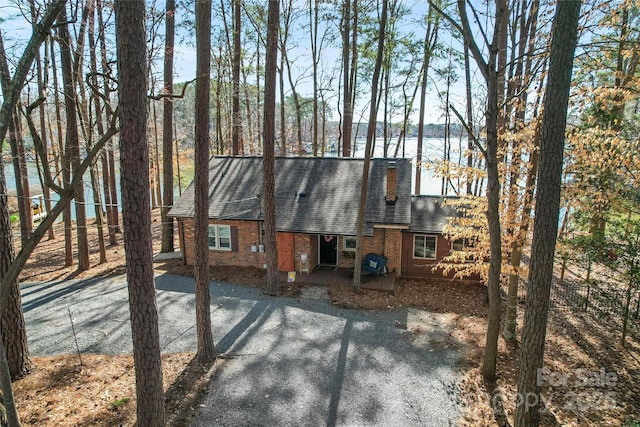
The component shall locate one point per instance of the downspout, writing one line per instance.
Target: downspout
(182, 241)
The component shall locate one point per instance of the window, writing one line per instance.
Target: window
(461, 245)
(349, 243)
(219, 237)
(424, 247)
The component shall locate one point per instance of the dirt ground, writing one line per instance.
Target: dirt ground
(100, 390)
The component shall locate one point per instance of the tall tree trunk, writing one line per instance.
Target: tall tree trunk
(430, 40)
(10, 99)
(63, 163)
(283, 123)
(14, 334)
(219, 137)
(446, 146)
(236, 136)
(178, 175)
(42, 76)
(72, 140)
(104, 159)
(106, 183)
(157, 159)
(522, 78)
(17, 152)
(167, 129)
(114, 221)
(556, 99)
(371, 135)
(408, 108)
(89, 132)
(250, 118)
(97, 202)
(100, 127)
(296, 104)
(470, 134)
(115, 215)
(353, 68)
(258, 92)
(206, 350)
(627, 308)
(22, 178)
(347, 121)
(495, 236)
(385, 83)
(324, 123)
(9, 276)
(268, 150)
(313, 25)
(136, 213)
(8, 401)
(511, 315)
(81, 107)
(154, 175)
(490, 74)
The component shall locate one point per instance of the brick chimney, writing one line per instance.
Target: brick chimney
(392, 193)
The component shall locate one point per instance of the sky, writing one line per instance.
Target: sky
(16, 31)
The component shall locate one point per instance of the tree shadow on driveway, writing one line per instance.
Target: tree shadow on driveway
(292, 361)
(296, 361)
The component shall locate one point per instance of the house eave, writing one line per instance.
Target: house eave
(392, 226)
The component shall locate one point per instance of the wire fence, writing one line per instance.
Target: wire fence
(604, 301)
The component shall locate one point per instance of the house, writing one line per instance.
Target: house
(316, 215)
(423, 244)
(317, 207)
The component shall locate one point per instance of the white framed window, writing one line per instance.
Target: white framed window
(424, 247)
(219, 237)
(349, 243)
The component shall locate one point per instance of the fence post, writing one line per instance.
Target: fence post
(586, 301)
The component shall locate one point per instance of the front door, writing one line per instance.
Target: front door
(328, 249)
(286, 261)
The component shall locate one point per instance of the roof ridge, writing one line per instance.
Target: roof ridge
(433, 196)
(311, 158)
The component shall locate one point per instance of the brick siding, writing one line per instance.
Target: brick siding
(248, 236)
(387, 242)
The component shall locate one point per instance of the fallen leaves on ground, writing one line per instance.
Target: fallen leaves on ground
(97, 389)
(101, 391)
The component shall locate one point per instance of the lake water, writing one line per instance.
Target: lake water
(429, 183)
(35, 181)
(432, 152)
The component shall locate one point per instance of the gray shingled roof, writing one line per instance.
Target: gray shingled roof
(331, 188)
(428, 215)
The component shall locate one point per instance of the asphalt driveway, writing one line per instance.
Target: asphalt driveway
(297, 361)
